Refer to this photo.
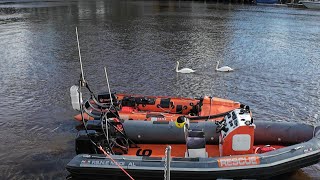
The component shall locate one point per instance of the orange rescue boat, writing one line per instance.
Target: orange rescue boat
(157, 108)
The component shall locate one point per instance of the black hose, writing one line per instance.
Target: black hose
(210, 116)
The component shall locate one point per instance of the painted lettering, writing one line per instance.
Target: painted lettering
(238, 161)
(145, 152)
(108, 163)
(242, 161)
(131, 164)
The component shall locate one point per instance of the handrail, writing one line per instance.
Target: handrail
(167, 161)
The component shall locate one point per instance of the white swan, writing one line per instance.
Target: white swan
(223, 68)
(184, 70)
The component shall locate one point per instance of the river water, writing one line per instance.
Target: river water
(273, 49)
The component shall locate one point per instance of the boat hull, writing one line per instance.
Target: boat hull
(267, 1)
(302, 141)
(311, 4)
(270, 164)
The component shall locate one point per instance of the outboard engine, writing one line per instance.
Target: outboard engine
(109, 133)
(236, 133)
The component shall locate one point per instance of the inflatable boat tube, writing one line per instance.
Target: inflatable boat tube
(303, 150)
(264, 165)
(284, 133)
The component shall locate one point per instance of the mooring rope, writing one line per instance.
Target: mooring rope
(105, 153)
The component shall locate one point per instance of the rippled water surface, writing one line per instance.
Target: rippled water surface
(274, 51)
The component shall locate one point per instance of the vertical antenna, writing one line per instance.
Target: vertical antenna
(105, 71)
(82, 74)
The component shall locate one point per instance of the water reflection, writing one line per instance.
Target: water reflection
(274, 52)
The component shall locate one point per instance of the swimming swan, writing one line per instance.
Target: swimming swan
(223, 68)
(184, 70)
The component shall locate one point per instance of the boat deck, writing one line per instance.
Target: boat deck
(177, 150)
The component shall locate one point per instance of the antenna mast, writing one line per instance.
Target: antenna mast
(82, 74)
(105, 71)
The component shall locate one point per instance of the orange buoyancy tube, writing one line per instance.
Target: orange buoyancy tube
(168, 108)
(214, 105)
